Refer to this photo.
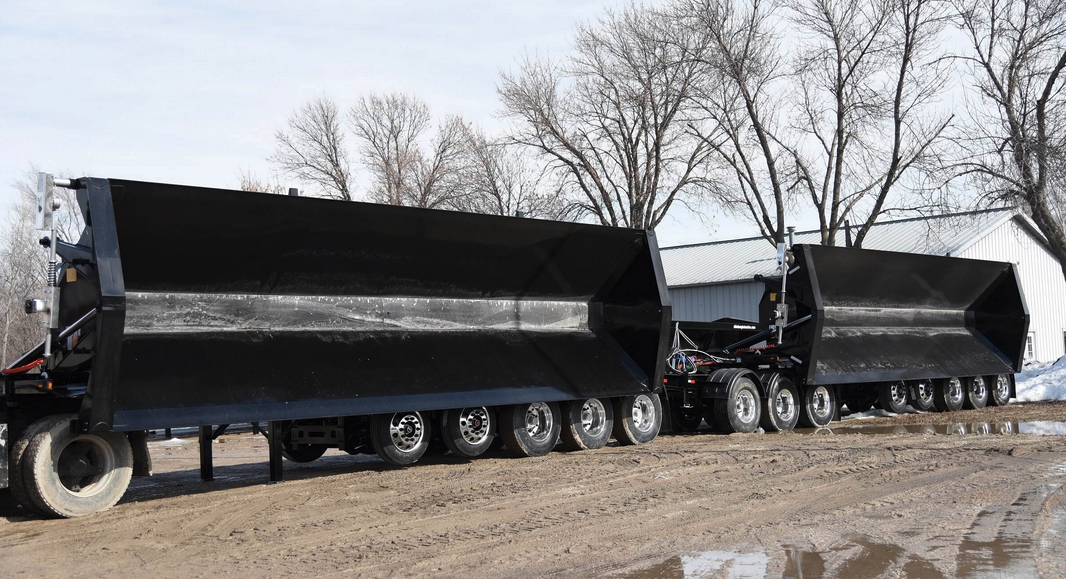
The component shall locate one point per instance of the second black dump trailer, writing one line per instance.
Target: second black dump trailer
(388, 330)
(855, 328)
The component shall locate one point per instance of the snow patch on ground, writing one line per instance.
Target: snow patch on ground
(874, 413)
(1042, 381)
(171, 442)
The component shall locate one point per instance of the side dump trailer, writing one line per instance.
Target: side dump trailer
(369, 328)
(857, 327)
(393, 330)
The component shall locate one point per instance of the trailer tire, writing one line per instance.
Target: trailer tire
(893, 396)
(400, 438)
(59, 462)
(16, 474)
(303, 452)
(976, 393)
(921, 395)
(530, 430)
(638, 418)
(587, 425)
(685, 419)
(949, 394)
(468, 432)
(999, 391)
(857, 399)
(819, 406)
(780, 409)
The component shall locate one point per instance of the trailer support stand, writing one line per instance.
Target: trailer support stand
(207, 469)
(274, 442)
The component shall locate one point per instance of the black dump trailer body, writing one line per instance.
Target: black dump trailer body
(223, 306)
(879, 316)
(188, 306)
(863, 327)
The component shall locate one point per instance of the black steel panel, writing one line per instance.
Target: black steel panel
(247, 306)
(881, 316)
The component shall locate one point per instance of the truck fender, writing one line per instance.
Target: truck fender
(720, 382)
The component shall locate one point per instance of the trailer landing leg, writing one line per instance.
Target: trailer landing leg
(207, 468)
(274, 442)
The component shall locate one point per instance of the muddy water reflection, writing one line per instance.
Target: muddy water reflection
(1044, 427)
(988, 551)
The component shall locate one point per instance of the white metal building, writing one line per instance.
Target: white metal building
(713, 280)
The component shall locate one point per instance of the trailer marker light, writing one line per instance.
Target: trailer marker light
(691, 381)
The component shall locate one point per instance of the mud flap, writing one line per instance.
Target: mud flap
(142, 459)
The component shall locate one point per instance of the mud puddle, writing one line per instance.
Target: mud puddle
(1003, 555)
(1038, 427)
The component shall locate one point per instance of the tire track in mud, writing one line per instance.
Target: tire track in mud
(565, 514)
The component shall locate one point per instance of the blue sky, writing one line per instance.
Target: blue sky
(192, 92)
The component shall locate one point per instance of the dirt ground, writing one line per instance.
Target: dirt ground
(851, 505)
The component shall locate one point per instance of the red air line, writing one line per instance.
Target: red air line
(23, 368)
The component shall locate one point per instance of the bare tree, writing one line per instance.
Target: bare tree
(313, 150)
(742, 68)
(1015, 145)
(866, 78)
(23, 262)
(249, 181)
(498, 179)
(390, 130)
(613, 120)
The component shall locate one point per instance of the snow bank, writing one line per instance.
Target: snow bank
(1043, 381)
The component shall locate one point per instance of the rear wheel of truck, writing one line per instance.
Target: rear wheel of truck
(780, 411)
(893, 396)
(921, 395)
(740, 410)
(468, 432)
(71, 474)
(949, 394)
(16, 478)
(303, 452)
(819, 405)
(587, 424)
(530, 429)
(401, 438)
(999, 390)
(686, 419)
(638, 418)
(976, 393)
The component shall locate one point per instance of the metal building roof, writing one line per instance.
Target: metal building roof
(742, 259)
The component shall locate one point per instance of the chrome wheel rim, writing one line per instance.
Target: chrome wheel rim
(539, 421)
(745, 406)
(1002, 387)
(820, 406)
(785, 405)
(406, 430)
(593, 417)
(978, 388)
(474, 424)
(643, 413)
(955, 392)
(85, 465)
(898, 392)
(924, 391)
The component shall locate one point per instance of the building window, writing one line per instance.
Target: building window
(1029, 348)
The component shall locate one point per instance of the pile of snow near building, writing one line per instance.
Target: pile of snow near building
(1043, 381)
